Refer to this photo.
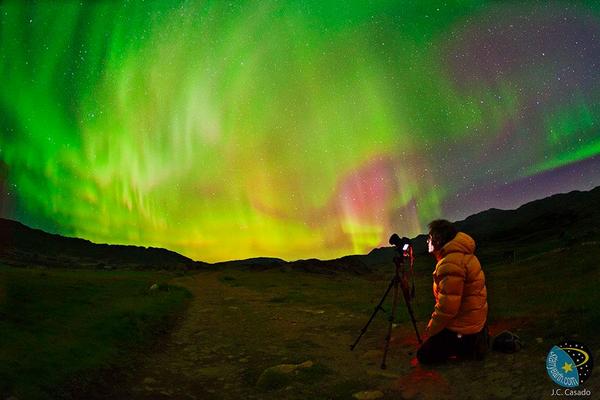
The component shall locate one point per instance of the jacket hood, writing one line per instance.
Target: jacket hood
(462, 243)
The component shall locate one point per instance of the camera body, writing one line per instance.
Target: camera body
(402, 243)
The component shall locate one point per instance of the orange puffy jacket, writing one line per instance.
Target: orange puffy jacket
(459, 289)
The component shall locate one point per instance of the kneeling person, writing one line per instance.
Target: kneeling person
(457, 327)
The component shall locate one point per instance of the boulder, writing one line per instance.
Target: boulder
(279, 376)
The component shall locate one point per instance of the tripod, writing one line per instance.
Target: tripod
(399, 281)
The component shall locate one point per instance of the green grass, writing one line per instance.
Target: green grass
(61, 325)
(558, 291)
(271, 379)
(555, 291)
(312, 290)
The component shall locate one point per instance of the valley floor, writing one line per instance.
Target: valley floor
(234, 329)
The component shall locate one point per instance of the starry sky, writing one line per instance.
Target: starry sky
(293, 129)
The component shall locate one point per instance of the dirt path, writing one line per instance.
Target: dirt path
(229, 335)
(200, 360)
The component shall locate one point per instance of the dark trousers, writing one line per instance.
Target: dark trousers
(447, 344)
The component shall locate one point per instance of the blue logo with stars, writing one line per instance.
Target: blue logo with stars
(569, 364)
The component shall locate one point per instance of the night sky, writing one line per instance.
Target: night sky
(293, 129)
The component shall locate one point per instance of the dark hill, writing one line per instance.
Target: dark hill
(558, 221)
(22, 246)
(574, 215)
(356, 264)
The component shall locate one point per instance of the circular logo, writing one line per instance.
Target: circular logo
(569, 364)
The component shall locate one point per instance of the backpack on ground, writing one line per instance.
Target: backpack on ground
(507, 342)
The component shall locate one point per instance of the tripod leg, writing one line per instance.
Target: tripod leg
(391, 321)
(405, 292)
(377, 308)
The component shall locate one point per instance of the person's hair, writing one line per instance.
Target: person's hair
(441, 232)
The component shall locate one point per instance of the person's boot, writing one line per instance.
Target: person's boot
(482, 343)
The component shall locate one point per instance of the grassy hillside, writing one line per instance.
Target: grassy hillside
(61, 330)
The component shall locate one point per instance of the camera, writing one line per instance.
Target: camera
(400, 242)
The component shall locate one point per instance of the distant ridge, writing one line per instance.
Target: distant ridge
(23, 246)
(351, 264)
(556, 221)
(570, 216)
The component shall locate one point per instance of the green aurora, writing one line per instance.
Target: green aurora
(295, 129)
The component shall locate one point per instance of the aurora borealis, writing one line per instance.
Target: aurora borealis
(293, 129)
